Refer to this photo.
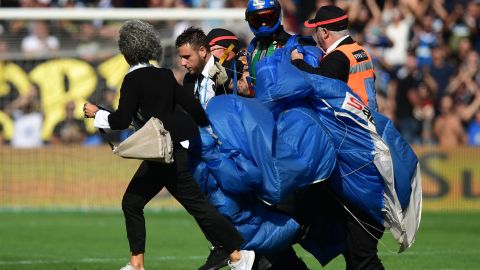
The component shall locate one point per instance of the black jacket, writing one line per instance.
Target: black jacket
(190, 80)
(281, 36)
(155, 92)
(334, 65)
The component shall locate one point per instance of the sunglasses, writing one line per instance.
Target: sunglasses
(263, 18)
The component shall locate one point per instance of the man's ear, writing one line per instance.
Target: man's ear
(327, 34)
(202, 51)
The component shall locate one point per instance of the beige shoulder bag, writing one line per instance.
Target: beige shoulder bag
(151, 142)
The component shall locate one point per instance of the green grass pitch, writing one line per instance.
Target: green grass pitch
(95, 240)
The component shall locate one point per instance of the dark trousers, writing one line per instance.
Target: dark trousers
(361, 246)
(286, 259)
(361, 253)
(150, 178)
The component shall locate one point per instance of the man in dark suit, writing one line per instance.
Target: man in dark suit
(347, 61)
(205, 78)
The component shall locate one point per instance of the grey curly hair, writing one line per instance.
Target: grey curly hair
(139, 42)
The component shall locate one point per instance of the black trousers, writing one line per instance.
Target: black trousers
(361, 253)
(285, 259)
(361, 245)
(150, 178)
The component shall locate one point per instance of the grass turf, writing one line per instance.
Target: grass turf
(70, 240)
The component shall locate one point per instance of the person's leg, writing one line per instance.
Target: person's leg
(321, 215)
(145, 184)
(217, 228)
(285, 260)
(217, 258)
(362, 240)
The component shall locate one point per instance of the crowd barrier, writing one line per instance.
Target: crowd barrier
(92, 177)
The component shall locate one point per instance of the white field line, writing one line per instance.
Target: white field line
(173, 258)
(97, 260)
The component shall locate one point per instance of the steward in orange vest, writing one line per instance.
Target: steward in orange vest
(361, 77)
(345, 60)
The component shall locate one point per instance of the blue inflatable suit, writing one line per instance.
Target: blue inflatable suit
(301, 129)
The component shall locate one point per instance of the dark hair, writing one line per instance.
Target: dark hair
(139, 43)
(193, 36)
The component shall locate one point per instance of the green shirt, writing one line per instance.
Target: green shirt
(262, 49)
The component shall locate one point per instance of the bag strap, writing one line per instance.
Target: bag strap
(104, 135)
(137, 122)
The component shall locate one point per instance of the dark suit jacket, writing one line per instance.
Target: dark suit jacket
(190, 80)
(155, 92)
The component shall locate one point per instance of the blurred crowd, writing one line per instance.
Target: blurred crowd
(124, 3)
(426, 52)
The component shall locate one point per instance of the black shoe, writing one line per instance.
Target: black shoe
(217, 259)
(286, 259)
(261, 263)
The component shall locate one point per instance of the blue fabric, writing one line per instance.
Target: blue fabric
(275, 86)
(305, 45)
(354, 146)
(262, 229)
(271, 158)
(300, 129)
(473, 133)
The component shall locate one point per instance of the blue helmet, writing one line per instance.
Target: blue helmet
(263, 17)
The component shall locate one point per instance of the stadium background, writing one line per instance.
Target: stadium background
(70, 173)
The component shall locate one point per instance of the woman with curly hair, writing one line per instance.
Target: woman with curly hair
(148, 91)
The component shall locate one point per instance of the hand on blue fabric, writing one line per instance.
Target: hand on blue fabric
(300, 49)
(214, 136)
(296, 55)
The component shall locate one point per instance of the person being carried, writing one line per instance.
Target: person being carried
(264, 21)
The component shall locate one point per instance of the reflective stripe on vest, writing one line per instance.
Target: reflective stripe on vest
(361, 70)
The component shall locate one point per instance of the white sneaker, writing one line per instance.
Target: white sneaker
(129, 267)
(245, 262)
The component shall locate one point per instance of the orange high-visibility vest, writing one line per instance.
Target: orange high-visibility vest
(361, 76)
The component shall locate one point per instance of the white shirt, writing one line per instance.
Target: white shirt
(335, 45)
(206, 84)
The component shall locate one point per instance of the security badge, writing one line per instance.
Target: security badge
(360, 55)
